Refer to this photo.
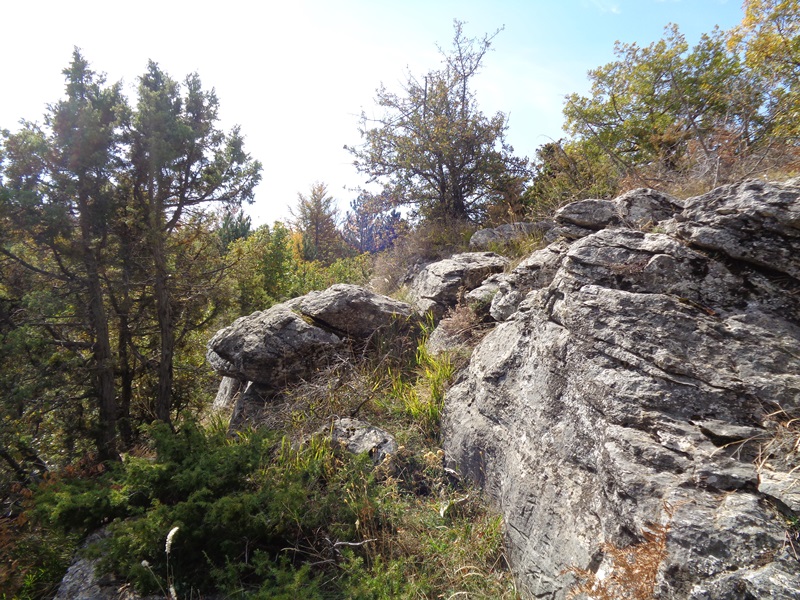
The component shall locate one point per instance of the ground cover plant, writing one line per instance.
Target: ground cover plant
(276, 512)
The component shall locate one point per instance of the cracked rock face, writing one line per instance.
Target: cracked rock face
(437, 287)
(643, 369)
(293, 340)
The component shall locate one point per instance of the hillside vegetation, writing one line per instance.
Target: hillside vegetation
(124, 247)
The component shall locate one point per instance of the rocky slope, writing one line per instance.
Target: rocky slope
(644, 362)
(644, 370)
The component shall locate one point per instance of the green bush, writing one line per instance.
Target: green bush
(265, 515)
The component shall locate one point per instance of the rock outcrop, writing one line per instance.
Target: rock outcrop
(639, 372)
(507, 233)
(640, 208)
(275, 347)
(438, 286)
(260, 354)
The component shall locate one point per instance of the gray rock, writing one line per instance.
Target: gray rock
(754, 222)
(643, 207)
(506, 233)
(353, 311)
(532, 273)
(228, 393)
(291, 341)
(782, 486)
(480, 299)
(638, 371)
(637, 209)
(437, 287)
(454, 335)
(273, 347)
(359, 437)
(83, 582)
(250, 407)
(589, 214)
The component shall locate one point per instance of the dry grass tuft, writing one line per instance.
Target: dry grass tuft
(633, 570)
(781, 449)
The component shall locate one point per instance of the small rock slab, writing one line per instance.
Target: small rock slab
(359, 437)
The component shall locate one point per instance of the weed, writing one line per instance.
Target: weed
(518, 248)
(781, 447)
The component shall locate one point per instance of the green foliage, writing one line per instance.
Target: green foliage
(265, 270)
(262, 268)
(100, 208)
(33, 559)
(769, 38)
(676, 117)
(661, 105)
(265, 515)
(566, 171)
(423, 399)
(235, 225)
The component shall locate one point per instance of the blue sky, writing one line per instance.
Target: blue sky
(296, 75)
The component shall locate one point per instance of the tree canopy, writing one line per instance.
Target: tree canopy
(432, 148)
(101, 208)
(315, 218)
(669, 115)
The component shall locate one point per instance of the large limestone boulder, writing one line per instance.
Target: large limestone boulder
(759, 225)
(641, 377)
(293, 340)
(437, 287)
(274, 347)
(260, 354)
(354, 311)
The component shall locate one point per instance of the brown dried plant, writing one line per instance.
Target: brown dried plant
(633, 569)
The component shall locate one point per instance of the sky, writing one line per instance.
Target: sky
(296, 75)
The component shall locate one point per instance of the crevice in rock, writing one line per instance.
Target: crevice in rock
(720, 441)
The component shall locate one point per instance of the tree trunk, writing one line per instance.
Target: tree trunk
(166, 325)
(106, 436)
(126, 374)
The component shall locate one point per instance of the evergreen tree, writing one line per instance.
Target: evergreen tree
(372, 224)
(180, 164)
(315, 219)
(107, 239)
(59, 197)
